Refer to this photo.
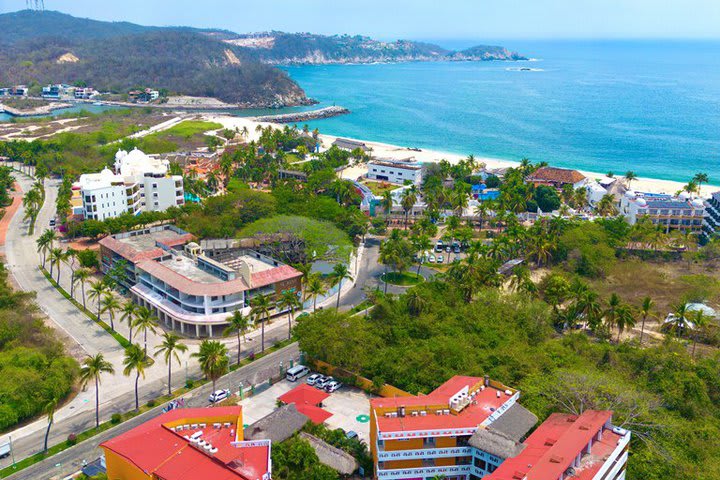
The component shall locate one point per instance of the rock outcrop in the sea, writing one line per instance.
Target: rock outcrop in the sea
(298, 117)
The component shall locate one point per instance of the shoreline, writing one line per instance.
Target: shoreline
(395, 152)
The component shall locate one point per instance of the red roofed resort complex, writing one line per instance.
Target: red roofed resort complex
(185, 444)
(471, 428)
(189, 289)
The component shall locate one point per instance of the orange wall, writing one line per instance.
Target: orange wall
(118, 468)
(402, 464)
(445, 442)
(411, 444)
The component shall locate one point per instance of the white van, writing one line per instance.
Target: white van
(298, 371)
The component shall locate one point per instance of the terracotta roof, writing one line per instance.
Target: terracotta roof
(556, 175)
(159, 451)
(186, 285)
(304, 394)
(316, 414)
(553, 447)
(127, 251)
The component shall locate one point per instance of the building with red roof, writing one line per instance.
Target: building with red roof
(556, 177)
(308, 401)
(190, 289)
(470, 427)
(188, 444)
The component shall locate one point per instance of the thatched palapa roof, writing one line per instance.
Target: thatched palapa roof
(333, 457)
(277, 426)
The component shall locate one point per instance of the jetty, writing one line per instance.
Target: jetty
(30, 112)
(296, 117)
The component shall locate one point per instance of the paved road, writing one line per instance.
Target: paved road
(70, 460)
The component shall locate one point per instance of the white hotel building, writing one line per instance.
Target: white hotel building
(395, 171)
(139, 183)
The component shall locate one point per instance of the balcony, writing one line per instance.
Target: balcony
(424, 472)
(390, 455)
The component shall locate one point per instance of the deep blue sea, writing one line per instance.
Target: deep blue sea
(648, 106)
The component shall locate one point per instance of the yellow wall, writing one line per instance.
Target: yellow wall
(403, 464)
(411, 444)
(118, 468)
(445, 442)
(444, 462)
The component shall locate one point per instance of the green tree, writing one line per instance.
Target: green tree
(93, 367)
(169, 349)
(260, 310)
(110, 305)
(136, 360)
(315, 288)
(289, 301)
(49, 409)
(98, 289)
(129, 310)
(340, 272)
(145, 321)
(213, 360)
(645, 312)
(238, 324)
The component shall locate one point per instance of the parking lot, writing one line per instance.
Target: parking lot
(349, 406)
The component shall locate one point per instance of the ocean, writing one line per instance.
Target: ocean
(648, 106)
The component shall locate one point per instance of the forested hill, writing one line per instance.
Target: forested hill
(305, 48)
(51, 47)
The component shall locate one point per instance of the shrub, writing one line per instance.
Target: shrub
(189, 384)
(71, 439)
(115, 418)
(150, 403)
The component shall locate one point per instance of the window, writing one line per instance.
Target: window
(481, 464)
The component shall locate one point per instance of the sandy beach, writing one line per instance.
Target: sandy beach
(383, 150)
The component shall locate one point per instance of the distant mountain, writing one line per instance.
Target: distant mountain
(51, 47)
(305, 48)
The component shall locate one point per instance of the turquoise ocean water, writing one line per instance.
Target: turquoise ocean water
(651, 107)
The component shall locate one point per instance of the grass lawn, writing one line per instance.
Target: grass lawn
(189, 135)
(188, 128)
(402, 279)
(378, 188)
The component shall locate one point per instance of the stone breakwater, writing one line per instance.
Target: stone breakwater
(295, 117)
(30, 112)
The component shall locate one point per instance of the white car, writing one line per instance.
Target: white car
(315, 377)
(219, 396)
(431, 258)
(324, 382)
(440, 259)
(332, 386)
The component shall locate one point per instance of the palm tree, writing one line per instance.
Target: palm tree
(408, 200)
(237, 324)
(81, 276)
(305, 269)
(289, 301)
(421, 244)
(91, 370)
(213, 360)
(606, 206)
(629, 177)
(314, 288)
(145, 321)
(611, 312)
(56, 255)
(624, 318)
(45, 243)
(678, 322)
(169, 348)
(587, 304)
(645, 309)
(129, 310)
(136, 360)
(387, 202)
(244, 131)
(49, 409)
(97, 290)
(699, 179)
(699, 320)
(340, 272)
(110, 305)
(260, 309)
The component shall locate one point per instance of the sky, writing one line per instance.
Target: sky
(418, 19)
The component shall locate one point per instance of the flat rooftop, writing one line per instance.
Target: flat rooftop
(187, 267)
(256, 264)
(140, 245)
(147, 240)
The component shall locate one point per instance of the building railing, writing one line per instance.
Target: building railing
(390, 455)
(620, 459)
(448, 471)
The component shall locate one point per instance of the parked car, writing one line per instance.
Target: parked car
(52, 222)
(219, 396)
(439, 246)
(351, 434)
(324, 382)
(314, 378)
(298, 371)
(448, 249)
(332, 386)
(431, 258)
(440, 259)
(5, 450)
(456, 247)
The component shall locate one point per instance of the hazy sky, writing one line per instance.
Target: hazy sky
(418, 19)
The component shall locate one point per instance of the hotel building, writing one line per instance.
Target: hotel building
(191, 290)
(392, 171)
(198, 443)
(471, 428)
(666, 211)
(139, 183)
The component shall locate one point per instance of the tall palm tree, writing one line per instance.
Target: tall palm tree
(49, 410)
(260, 309)
(387, 202)
(699, 179)
(136, 360)
(645, 311)
(340, 272)
(421, 244)
(56, 256)
(587, 305)
(314, 288)
(82, 276)
(213, 360)
(407, 201)
(629, 177)
(110, 305)
(611, 312)
(606, 206)
(699, 320)
(624, 318)
(169, 348)
(305, 269)
(145, 320)
(97, 290)
(45, 243)
(92, 369)
(237, 324)
(679, 320)
(129, 310)
(289, 301)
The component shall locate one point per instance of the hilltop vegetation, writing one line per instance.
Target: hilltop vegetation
(117, 57)
(307, 48)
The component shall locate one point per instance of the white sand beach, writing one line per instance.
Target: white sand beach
(383, 150)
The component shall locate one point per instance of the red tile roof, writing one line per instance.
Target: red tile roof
(306, 400)
(556, 175)
(191, 287)
(155, 449)
(552, 448)
(485, 403)
(128, 252)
